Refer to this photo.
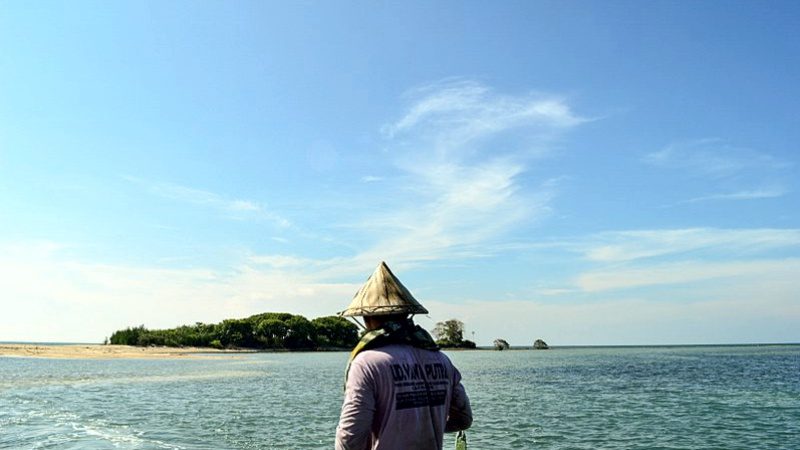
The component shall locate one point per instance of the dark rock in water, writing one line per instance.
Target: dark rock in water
(540, 345)
(501, 344)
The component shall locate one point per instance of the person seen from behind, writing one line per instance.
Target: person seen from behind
(401, 392)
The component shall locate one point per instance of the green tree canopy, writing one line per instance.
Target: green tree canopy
(334, 331)
(271, 332)
(260, 331)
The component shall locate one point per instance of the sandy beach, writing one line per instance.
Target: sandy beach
(84, 351)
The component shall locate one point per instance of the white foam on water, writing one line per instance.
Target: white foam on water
(121, 436)
(70, 427)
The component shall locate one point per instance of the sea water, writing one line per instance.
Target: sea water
(727, 397)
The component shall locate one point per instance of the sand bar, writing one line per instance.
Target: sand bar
(84, 351)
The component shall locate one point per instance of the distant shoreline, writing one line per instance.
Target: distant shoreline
(57, 350)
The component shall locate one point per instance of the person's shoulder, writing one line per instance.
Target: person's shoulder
(445, 359)
(378, 355)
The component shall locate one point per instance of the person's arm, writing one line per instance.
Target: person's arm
(460, 415)
(355, 422)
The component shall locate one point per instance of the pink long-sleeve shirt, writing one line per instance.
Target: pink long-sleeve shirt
(399, 397)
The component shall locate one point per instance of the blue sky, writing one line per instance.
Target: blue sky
(581, 172)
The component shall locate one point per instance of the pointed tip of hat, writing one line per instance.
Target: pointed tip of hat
(383, 294)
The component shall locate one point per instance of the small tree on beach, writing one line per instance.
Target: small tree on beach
(450, 333)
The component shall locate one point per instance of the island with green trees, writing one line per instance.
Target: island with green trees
(281, 331)
(267, 331)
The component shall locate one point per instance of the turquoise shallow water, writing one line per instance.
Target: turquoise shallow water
(745, 397)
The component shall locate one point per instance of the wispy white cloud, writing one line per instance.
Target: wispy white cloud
(234, 208)
(281, 261)
(469, 109)
(685, 272)
(675, 259)
(555, 291)
(737, 173)
(463, 121)
(631, 245)
(463, 152)
(244, 205)
(754, 194)
(713, 157)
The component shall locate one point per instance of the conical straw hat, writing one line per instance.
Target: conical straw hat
(383, 294)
